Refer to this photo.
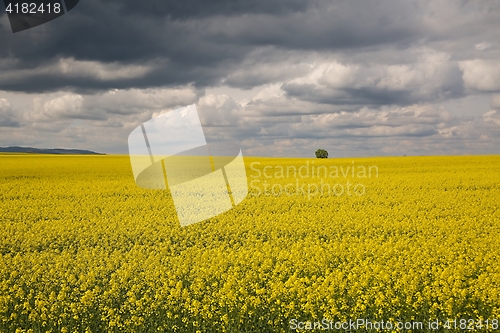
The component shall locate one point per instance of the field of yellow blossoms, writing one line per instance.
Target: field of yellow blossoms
(409, 239)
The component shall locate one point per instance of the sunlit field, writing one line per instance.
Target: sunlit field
(395, 239)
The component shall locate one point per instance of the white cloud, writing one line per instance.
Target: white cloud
(482, 75)
(482, 46)
(492, 116)
(99, 122)
(329, 72)
(425, 75)
(251, 75)
(135, 101)
(66, 106)
(101, 71)
(268, 93)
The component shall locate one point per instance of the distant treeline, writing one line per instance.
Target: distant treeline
(30, 150)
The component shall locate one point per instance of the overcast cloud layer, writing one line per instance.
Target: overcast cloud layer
(282, 77)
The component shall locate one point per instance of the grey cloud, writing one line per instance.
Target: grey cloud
(7, 117)
(406, 122)
(200, 44)
(495, 101)
(189, 9)
(366, 131)
(358, 77)
(206, 43)
(435, 126)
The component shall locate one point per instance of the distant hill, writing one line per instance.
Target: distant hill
(59, 151)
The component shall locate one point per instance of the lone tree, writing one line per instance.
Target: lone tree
(321, 153)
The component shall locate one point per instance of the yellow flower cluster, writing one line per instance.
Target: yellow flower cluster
(83, 249)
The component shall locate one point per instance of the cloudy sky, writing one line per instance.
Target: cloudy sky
(280, 77)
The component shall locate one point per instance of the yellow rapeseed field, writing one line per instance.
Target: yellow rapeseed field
(394, 239)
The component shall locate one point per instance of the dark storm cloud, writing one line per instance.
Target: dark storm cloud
(188, 9)
(199, 42)
(347, 96)
(365, 95)
(51, 77)
(328, 25)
